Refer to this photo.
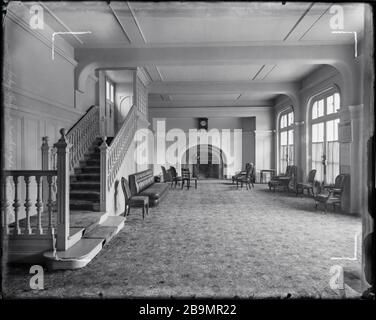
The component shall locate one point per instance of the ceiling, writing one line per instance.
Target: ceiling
(204, 24)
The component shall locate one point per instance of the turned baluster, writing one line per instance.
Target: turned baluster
(27, 204)
(5, 206)
(16, 206)
(50, 204)
(39, 205)
(63, 151)
(45, 166)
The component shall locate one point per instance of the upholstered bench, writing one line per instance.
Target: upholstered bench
(143, 184)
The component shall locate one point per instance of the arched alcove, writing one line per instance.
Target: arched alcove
(205, 161)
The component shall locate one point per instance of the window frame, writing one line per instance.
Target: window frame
(324, 119)
(287, 128)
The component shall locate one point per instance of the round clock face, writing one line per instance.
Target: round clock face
(203, 123)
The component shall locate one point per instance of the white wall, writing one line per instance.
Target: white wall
(255, 122)
(38, 91)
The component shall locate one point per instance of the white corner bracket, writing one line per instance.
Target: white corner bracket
(66, 32)
(355, 39)
(355, 257)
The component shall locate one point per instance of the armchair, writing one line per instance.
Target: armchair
(286, 181)
(248, 178)
(308, 185)
(241, 173)
(334, 193)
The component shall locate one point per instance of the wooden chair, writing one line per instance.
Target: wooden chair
(308, 185)
(334, 193)
(287, 182)
(187, 177)
(134, 201)
(174, 176)
(167, 177)
(241, 173)
(286, 174)
(248, 178)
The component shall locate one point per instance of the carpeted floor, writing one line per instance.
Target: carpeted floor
(215, 241)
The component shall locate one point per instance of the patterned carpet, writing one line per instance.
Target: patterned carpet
(215, 241)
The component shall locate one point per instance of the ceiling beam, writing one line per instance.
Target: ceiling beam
(214, 87)
(208, 103)
(273, 54)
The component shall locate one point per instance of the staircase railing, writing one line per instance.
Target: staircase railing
(45, 224)
(80, 137)
(112, 156)
(50, 182)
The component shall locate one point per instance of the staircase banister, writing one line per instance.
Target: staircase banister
(82, 117)
(112, 156)
(128, 118)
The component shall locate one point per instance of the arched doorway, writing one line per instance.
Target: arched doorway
(205, 161)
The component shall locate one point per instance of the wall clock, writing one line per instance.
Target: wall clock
(203, 123)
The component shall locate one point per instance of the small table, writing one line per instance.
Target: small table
(271, 171)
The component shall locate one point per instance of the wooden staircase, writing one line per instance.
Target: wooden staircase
(85, 183)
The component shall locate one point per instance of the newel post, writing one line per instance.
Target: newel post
(62, 147)
(104, 175)
(45, 148)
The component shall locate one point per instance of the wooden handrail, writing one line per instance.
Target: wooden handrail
(31, 173)
(28, 229)
(113, 156)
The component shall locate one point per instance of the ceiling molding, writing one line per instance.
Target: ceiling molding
(136, 22)
(120, 24)
(53, 15)
(314, 23)
(299, 20)
(144, 76)
(208, 103)
(257, 73)
(159, 73)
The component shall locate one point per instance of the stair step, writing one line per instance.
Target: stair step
(84, 205)
(92, 156)
(86, 177)
(85, 185)
(84, 195)
(75, 235)
(76, 256)
(108, 229)
(86, 219)
(90, 162)
(87, 169)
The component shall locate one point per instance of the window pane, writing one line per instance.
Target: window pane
(291, 118)
(283, 159)
(332, 161)
(291, 155)
(332, 130)
(112, 93)
(317, 152)
(320, 108)
(336, 102)
(107, 90)
(283, 138)
(284, 121)
(314, 110)
(318, 132)
(291, 137)
(330, 105)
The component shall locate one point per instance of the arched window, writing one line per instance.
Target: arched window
(324, 136)
(286, 140)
